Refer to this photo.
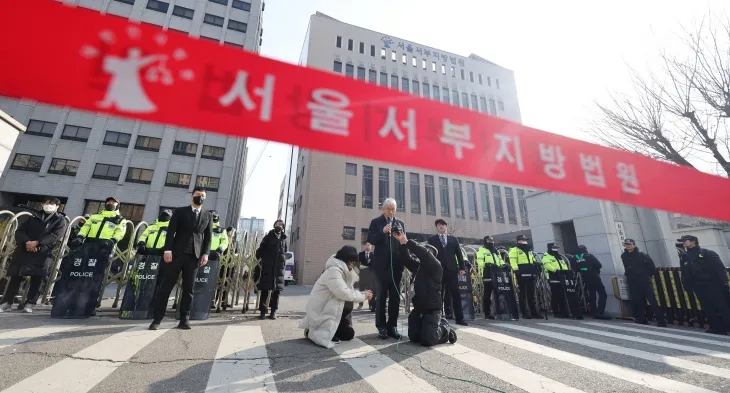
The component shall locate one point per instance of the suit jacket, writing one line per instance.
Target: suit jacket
(365, 262)
(449, 255)
(182, 227)
(384, 244)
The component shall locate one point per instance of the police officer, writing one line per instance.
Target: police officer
(105, 228)
(590, 270)
(489, 261)
(639, 268)
(526, 267)
(560, 276)
(153, 238)
(704, 273)
(219, 241)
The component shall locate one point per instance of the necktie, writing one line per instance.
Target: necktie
(443, 240)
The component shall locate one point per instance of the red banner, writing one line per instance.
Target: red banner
(80, 58)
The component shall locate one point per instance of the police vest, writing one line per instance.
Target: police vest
(219, 239)
(486, 257)
(105, 225)
(155, 235)
(518, 257)
(552, 264)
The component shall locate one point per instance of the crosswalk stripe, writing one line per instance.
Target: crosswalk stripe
(241, 363)
(647, 341)
(661, 334)
(683, 330)
(380, 371)
(13, 337)
(86, 368)
(653, 357)
(640, 378)
(524, 379)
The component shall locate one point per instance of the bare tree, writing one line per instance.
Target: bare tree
(680, 112)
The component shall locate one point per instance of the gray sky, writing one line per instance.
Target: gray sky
(565, 53)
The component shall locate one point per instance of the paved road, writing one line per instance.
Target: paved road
(232, 352)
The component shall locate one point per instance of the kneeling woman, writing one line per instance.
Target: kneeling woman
(329, 307)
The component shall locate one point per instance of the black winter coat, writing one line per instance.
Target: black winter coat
(48, 232)
(588, 265)
(272, 252)
(701, 266)
(638, 265)
(429, 273)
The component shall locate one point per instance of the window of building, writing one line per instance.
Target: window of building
(423, 63)
(498, 209)
(119, 139)
(213, 20)
(185, 148)
(213, 152)
(461, 71)
(492, 107)
(237, 26)
(523, 207)
(383, 79)
(458, 199)
(41, 128)
(373, 76)
(444, 194)
(350, 200)
(383, 185)
(471, 76)
(337, 67)
(474, 104)
(482, 104)
(394, 81)
(392, 56)
(486, 210)
(297, 235)
(361, 73)
(362, 48)
(496, 82)
(414, 61)
(415, 193)
(399, 180)
(348, 233)
(404, 85)
(27, 162)
(416, 88)
(445, 96)
(471, 200)
(426, 90)
(367, 187)
(157, 5)
(443, 69)
(479, 77)
(511, 211)
(455, 94)
(62, 166)
(382, 53)
(350, 44)
(76, 133)
(107, 172)
(350, 169)
(433, 66)
(130, 2)
(404, 58)
(183, 12)
(350, 70)
(430, 195)
(339, 42)
(465, 100)
(241, 5)
(175, 179)
(139, 175)
(453, 72)
(363, 236)
(224, 2)
(436, 93)
(147, 143)
(208, 183)
(372, 50)
(500, 105)
(489, 81)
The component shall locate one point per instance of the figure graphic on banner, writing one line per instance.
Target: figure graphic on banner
(125, 89)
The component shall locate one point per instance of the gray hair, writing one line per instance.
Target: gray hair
(390, 201)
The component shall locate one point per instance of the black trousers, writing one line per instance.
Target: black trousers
(344, 331)
(527, 294)
(487, 297)
(596, 294)
(427, 327)
(452, 298)
(557, 300)
(387, 290)
(713, 298)
(640, 292)
(187, 264)
(14, 285)
(273, 303)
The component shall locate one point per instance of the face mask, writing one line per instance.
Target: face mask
(50, 208)
(164, 218)
(277, 229)
(110, 207)
(215, 219)
(198, 200)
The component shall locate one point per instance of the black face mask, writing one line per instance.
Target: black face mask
(110, 207)
(215, 219)
(198, 200)
(164, 217)
(489, 246)
(277, 229)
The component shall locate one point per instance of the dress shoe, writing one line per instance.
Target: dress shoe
(383, 333)
(272, 315)
(184, 325)
(262, 316)
(154, 325)
(393, 332)
(452, 336)
(462, 323)
(489, 316)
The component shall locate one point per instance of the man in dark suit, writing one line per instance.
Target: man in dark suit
(387, 268)
(365, 259)
(186, 248)
(452, 261)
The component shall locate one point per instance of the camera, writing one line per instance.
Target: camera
(396, 229)
(679, 245)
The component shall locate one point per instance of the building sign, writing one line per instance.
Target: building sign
(620, 232)
(623, 288)
(348, 233)
(388, 43)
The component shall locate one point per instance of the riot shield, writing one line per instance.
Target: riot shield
(505, 305)
(467, 301)
(568, 285)
(80, 283)
(203, 289)
(141, 286)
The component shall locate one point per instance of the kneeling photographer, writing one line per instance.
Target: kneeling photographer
(425, 324)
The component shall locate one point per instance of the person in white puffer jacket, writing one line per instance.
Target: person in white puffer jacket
(329, 308)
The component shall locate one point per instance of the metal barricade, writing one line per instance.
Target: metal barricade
(248, 267)
(477, 285)
(543, 293)
(123, 257)
(8, 226)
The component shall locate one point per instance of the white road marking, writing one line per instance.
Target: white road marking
(13, 337)
(661, 334)
(241, 363)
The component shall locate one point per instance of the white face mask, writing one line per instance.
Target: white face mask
(50, 208)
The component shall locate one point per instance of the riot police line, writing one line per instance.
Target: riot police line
(82, 273)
